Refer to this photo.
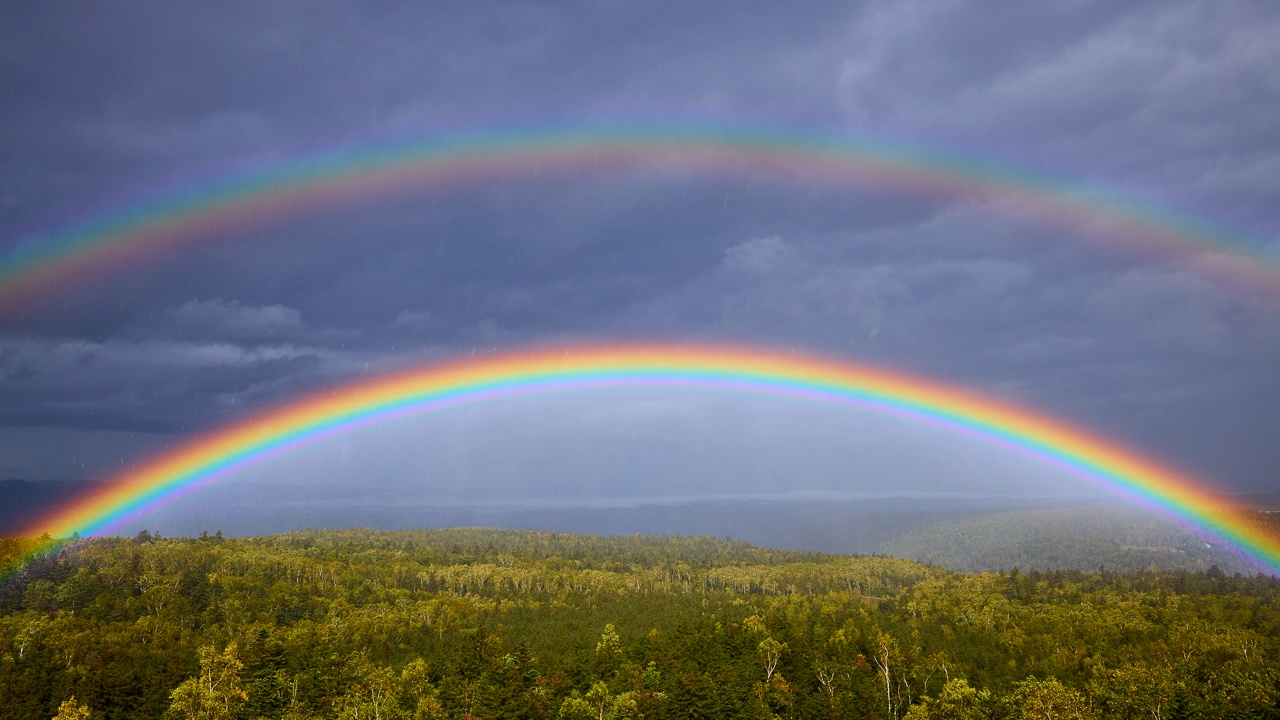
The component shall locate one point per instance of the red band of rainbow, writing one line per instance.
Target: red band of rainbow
(44, 263)
(1121, 471)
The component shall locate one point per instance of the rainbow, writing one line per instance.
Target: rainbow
(739, 369)
(205, 211)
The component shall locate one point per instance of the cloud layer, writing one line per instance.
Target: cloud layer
(1173, 102)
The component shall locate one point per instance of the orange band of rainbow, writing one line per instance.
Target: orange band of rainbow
(1124, 472)
(44, 263)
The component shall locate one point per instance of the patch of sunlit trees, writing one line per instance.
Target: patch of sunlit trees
(483, 624)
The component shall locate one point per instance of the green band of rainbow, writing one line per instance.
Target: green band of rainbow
(1122, 471)
(43, 263)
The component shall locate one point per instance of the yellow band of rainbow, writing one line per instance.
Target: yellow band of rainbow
(752, 370)
(44, 263)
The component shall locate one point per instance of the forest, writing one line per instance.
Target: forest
(488, 624)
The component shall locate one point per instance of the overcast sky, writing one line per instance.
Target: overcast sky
(1176, 103)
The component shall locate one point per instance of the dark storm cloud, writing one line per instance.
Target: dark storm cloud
(90, 384)
(1174, 101)
(1177, 96)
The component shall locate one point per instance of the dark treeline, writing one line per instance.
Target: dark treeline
(508, 624)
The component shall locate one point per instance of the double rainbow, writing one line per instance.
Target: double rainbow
(206, 211)
(1123, 472)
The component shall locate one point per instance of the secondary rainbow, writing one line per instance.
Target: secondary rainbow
(740, 369)
(205, 211)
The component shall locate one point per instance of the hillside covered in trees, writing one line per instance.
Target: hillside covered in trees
(511, 624)
(1070, 538)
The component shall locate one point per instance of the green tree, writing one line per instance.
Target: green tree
(372, 694)
(770, 655)
(599, 704)
(216, 693)
(418, 697)
(887, 658)
(957, 701)
(1035, 699)
(71, 709)
(608, 653)
(1139, 691)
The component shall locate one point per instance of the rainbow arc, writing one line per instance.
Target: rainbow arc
(205, 212)
(1123, 472)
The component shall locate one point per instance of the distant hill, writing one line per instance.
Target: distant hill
(1262, 501)
(837, 526)
(1067, 538)
(971, 535)
(23, 501)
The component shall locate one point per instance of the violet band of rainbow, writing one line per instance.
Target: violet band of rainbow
(1121, 471)
(205, 211)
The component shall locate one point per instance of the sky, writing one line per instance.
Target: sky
(1171, 103)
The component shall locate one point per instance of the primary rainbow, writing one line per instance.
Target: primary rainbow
(1122, 471)
(45, 262)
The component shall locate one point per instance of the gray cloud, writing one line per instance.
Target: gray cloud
(1167, 102)
(236, 320)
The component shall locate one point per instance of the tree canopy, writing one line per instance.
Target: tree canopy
(509, 624)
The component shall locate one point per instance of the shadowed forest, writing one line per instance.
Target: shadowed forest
(513, 624)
